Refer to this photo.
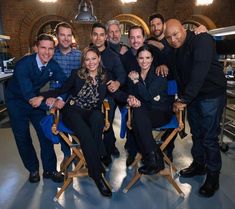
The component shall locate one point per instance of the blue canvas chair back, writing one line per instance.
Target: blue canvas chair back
(172, 90)
(46, 125)
(123, 127)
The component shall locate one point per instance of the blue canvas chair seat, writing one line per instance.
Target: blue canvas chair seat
(172, 124)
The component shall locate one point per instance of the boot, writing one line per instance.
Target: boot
(194, 169)
(211, 184)
(150, 164)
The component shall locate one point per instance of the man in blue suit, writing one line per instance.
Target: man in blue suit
(31, 73)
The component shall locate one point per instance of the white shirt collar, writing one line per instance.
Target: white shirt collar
(39, 63)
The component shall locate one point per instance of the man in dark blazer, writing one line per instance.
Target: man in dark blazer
(31, 73)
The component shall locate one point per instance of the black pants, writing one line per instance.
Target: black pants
(88, 127)
(144, 120)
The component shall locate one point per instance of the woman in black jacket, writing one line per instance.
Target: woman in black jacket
(155, 109)
(82, 111)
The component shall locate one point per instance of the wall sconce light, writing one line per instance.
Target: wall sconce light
(48, 1)
(128, 1)
(85, 12)
(203, 2)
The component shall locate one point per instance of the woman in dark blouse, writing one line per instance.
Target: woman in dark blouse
(155, 109)
(82, 111)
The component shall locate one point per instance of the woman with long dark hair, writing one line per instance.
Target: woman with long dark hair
(155, 109)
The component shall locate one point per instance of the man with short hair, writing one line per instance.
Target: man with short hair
(69, 59)
(112, 63)
(31, 73)
(203, 92)
(136, 37)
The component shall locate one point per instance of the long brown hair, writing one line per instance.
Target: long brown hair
(83, 72)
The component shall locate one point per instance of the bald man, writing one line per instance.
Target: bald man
(203, 91)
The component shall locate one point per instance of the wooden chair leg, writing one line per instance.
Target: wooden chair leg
(175, 185)
(67, 182)
(65, 163)
(168, 175)
(168, 161)
(132, 182)
(135, 163)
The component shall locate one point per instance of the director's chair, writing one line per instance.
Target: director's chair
(177, 125)
(59, 131)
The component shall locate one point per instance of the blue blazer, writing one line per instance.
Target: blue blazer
(28, 79)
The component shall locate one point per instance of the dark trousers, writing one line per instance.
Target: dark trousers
(204, 119)
(21, 113)
(88, 127)
(144, 120)
(131, 144)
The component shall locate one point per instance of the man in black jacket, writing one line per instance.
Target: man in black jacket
(203, 92)
(112, 63)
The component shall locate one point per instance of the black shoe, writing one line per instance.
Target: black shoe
(148, 170)
(34, 177)
(153, 163)
(54, 176)
(106, 160)
(115, 152)
(129, 160)
(193, 170)
(210, 186)
(103, 187)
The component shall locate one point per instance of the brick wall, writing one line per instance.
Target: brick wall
(23, 18)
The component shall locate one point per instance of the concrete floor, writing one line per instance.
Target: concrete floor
(151, 192)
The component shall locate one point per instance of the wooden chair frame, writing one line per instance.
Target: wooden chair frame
(80, 168)
(167, 172)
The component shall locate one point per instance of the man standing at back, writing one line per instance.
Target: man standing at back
(203, 92)
(69, 59)
(136, 36)
(112, 63)
(114, 37)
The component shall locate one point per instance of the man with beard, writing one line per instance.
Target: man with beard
(114, 37)
(136, 36)
(68, 59)
(112, 64)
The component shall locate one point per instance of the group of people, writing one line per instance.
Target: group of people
(135, 75)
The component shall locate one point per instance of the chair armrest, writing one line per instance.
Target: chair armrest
(179, 116)
(105, 110)
(129, 118)
(56, 113)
